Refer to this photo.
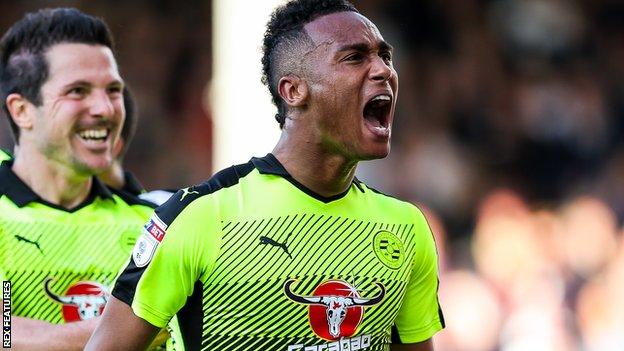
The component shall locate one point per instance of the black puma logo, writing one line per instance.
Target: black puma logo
(28, 241)
(266, 240)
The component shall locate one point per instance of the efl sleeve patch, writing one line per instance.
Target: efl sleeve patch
(153, 233)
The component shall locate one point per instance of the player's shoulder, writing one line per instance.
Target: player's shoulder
(201, 193)
(382, 197)
(390, 203)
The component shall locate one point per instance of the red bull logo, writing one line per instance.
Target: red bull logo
(335, 307)
(82, 301)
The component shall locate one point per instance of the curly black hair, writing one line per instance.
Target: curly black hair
(284, 32)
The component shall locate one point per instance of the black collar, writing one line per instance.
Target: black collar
(269, 164)
(16, 190)
(132, 184)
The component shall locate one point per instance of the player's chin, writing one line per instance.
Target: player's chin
(375, 150)
(374, 141)
(94, 164)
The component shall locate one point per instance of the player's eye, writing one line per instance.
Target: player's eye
(78, 91)
(115, 89)
(354, 57)
(386, 56)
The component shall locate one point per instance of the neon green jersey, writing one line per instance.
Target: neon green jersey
(252, 260)
(61, 263)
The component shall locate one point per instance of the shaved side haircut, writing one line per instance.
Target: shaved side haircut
(286, 42)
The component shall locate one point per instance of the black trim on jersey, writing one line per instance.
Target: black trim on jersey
(269, 164)
(395, 338)
(190, 319)
(126, 283)
(440, 314)
(132, 184)
(384, 194)
(182, 198)
(18, 192)
(358, 183)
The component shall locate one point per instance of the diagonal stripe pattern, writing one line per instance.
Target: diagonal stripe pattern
(244, 304)
(67, 250)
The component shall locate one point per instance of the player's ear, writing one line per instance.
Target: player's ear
(18, 108)
(293, 90)
(119, 145)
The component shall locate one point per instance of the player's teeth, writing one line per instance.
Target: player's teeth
(93, 133)
(381, 97)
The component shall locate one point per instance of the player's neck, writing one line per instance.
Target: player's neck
(114, 176)
(324, 173)
(53, 182)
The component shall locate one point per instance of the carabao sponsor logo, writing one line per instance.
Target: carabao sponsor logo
(335, 308)
(83, 300)
(355, 343)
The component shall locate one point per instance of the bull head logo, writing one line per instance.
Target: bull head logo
(336, 305)
(86, 297)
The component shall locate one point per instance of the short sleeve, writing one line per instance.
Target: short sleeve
(420, 316)
(167, 260)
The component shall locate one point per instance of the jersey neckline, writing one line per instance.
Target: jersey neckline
(269, 164)
(21, 194)
(132, 184)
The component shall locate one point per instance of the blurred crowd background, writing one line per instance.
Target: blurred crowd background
(508, 134)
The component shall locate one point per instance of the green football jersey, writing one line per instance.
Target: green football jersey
(253, 260)
(61, 263)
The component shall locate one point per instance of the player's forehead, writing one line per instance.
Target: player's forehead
(343, 28)
(81, 62)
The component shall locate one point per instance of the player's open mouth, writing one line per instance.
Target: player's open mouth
(377, 114)
(95, 134)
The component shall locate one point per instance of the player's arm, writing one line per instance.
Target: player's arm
(420, 316)
(121, 329)
(426, 345)
(160, 276)
(32, 334)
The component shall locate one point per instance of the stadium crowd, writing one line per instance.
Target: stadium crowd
(508, 131)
